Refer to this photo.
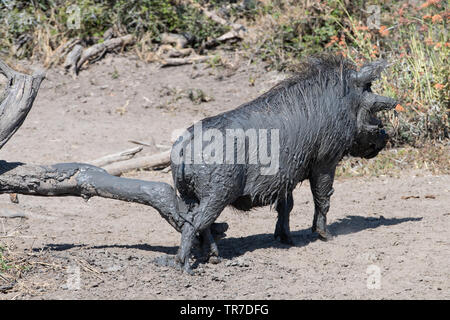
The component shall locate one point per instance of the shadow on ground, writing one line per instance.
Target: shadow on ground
(233, 247)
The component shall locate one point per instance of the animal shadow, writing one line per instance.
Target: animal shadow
(230, 248)
(146, 247)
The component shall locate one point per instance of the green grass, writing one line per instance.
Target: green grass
(414, 40)
(47, 23)
(390, 162)
(5, 265)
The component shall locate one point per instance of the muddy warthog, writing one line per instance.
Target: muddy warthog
(304, 126)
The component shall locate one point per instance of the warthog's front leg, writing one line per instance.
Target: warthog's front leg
(322, 189)
(282, 231)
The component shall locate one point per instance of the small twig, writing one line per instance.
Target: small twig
(54, 266)
(88, 268)
(4, 279)
(172, 62)
(8, 286)
(160, 160)
(121, 156)
(147, 144)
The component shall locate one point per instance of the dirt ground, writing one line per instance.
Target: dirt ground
(391, 234)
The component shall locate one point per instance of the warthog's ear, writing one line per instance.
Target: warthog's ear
(369, 72)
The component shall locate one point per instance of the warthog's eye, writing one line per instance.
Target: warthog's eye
(375, 121)
(368, 87)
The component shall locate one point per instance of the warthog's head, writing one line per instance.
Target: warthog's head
(370, 136)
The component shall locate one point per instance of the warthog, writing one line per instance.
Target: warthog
(304, 126)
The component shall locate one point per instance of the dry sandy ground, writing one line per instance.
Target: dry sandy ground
(388, 245)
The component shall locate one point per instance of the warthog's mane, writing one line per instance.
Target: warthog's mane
(314, 68)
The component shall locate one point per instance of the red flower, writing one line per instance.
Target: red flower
(383, 31)
(399, 108)
(436, 18)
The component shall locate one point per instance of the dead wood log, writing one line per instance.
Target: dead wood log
(16, 102)
(171, 62)
(230, 35)
(121, 156)
(160, 160)
(72, 59)
(86, 181)
(238, 31)
(107, 45)
(77, 56)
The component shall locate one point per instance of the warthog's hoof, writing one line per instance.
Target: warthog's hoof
(215, 260)
(172, 262)
(324, 235)
(284, 239)
(218, 230)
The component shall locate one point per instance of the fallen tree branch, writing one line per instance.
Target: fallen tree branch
(72, 59)
(77, 56)
(171, 62)
(60, 52)
(121, 156)
(86, 181)
(107, 45)
(160, 160)
(230, 35)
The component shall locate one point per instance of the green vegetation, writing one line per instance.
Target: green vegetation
(12, 266)
(413, 36)
(389, 162)
(37, 28)
(4, 265)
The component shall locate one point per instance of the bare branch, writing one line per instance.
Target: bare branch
(160, 160)
(72, 59)
(107, 45)
(170, 62)
(86, 181)
(121, 156)
(17, 100)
